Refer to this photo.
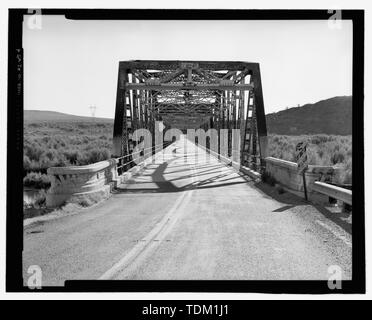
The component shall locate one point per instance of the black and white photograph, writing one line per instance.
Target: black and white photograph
(186, 151)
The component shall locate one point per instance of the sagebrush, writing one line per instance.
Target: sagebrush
(323, 150)
(48, 144)
(58, 144)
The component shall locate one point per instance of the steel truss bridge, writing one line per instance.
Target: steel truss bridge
(191, 95)
(184, 213)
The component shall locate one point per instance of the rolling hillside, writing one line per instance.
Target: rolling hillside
(42, 116)
(58, 139)
(330, 116)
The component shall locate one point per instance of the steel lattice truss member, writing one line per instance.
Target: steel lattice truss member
(190, 95)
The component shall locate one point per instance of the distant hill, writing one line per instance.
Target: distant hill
(40, 116)
(330, 116)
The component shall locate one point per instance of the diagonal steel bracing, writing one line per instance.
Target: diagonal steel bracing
(192, 94)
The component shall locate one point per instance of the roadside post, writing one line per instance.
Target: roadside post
(302, 163)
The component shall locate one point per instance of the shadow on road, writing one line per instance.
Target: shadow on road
(341, 219)
(290, 201)
(285, 197)
(160, 184)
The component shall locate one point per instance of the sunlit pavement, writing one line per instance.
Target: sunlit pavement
(189, 216)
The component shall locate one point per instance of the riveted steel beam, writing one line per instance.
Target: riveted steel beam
(157, 86)
(208, 94)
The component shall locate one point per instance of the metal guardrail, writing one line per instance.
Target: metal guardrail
(332, 191)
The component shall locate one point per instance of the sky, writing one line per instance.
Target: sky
(71, 65)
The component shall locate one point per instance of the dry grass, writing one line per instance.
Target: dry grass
(63, 144)
(79, 143)
(324, 150)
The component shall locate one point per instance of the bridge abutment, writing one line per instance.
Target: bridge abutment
(81, 184)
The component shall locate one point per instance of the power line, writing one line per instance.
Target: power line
(93, 111)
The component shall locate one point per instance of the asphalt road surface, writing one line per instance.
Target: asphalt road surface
(189, 216)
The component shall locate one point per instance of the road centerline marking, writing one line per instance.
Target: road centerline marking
(158, 232)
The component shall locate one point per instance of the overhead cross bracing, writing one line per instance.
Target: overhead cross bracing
(191, 95)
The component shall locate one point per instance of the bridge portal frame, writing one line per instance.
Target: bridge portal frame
(147, 90)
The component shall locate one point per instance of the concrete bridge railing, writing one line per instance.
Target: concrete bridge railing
(91, 183)
(286, 174)
(81, 183)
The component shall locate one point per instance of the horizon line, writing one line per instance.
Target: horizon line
(86, 116)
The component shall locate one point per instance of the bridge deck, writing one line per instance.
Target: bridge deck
(190, 217)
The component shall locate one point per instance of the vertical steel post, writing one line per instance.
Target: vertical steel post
(120, 127)
(260, 113)
(135, 107)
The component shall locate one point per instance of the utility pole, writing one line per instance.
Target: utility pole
(93, 109)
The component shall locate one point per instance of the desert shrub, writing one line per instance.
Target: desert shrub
(26, 162)
(33, 151)
(325, 150)
(346, 173)
(26, 205)
(94, 155)
(68, 129)
(72, 156)
(65, 143)
(35, 125)
(45, 139)
(337, 157)
(51, 154)
(85, 202)
(36, 180)
(83, 125)
(40, 199)
(319, 139)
